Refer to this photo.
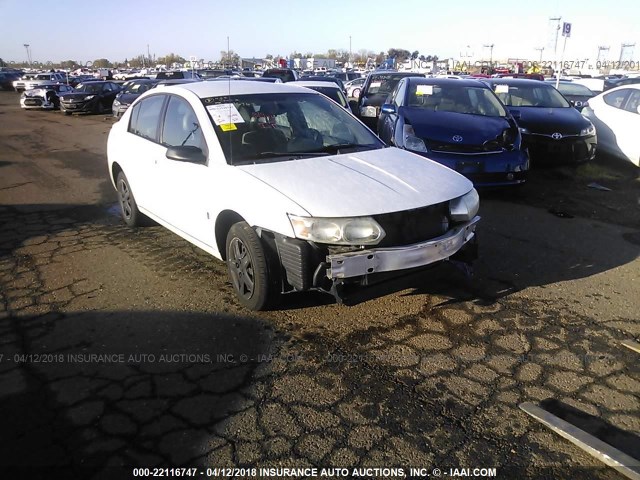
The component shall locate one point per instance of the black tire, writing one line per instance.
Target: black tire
(128, 206)
(247, 265)
(99, 108)
(355, 93)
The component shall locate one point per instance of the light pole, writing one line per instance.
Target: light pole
(540, 49)
(26, 46)
(490, 47)
(555, 45)
(350, 61)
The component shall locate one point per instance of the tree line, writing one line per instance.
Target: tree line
(231, 58)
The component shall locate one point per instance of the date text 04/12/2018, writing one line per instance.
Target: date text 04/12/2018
(586, 64)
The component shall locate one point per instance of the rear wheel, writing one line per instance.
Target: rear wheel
(355, 93)
(247, 264)
(128, 206)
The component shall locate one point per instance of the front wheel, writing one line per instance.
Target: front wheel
(247, 267)
(128, 206)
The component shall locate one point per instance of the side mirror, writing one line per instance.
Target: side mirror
(186, 153)
(515, 114)
(388, 108)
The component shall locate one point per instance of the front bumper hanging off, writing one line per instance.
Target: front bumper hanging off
(377, 260)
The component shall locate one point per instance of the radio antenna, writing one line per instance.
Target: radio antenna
(230, 104)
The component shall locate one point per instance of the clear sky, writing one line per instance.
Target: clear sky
(85, 30)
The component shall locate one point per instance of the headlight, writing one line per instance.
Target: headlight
(89, 97)
(116, 103)
(524, 131)
(411, 142)
(464, 208)
(368, 112)
(338, 231)
(590, 130)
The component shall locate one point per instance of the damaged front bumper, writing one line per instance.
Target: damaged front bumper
(378, 260)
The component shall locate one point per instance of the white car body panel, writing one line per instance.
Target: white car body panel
(617, 128)
(387, 180)
(187, 198)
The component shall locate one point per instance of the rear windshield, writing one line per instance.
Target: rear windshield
(574, 89)
(138, 88)
(333, 93)
(283, 75)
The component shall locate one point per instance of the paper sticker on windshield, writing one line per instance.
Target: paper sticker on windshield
(424, 89)
(502, 88)
(224, 114)
(375, 84)
(227, 127)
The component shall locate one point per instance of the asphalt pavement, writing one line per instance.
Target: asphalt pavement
(126, 348)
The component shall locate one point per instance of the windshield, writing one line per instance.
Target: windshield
(91, 87)
(267, 127)
(457, 99)
(542, 95)
(383, 84)
(574, 89)
(333, 93)
(138, 88)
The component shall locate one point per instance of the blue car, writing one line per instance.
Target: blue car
(459, 123)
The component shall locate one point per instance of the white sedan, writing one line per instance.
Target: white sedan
(616, 116)
(287, 187)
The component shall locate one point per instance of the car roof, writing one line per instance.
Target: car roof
(634, 86)
(221, 88)
(458, 82)
(515, 81)
(315, 83)
(396, 73)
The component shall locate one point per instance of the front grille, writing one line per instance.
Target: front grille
(412, 226)
(441, 147)
(33, 101)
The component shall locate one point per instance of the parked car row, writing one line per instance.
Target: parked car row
(488, 129)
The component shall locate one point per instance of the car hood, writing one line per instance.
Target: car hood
(362, 183)
(442, 126)
(567, 121)
(77, 95)
(35, 92)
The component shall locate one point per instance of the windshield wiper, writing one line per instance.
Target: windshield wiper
(319, 153)
(336, 148)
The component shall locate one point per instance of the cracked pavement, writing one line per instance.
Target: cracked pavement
(124, 348)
